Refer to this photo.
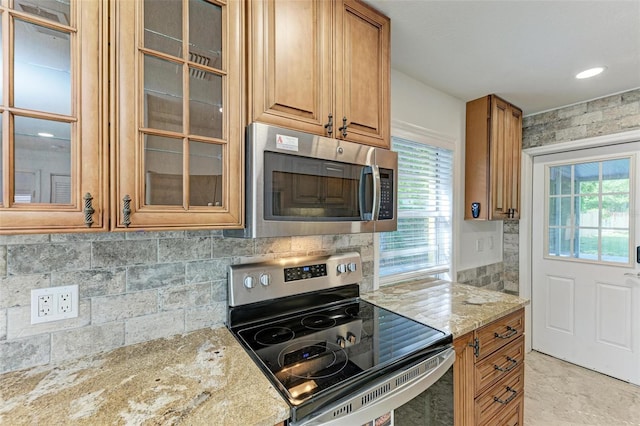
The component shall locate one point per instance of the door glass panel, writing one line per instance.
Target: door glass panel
(162, 94)
(598, 227)
(53, 10)
(615, 245)
(615, 176)
(42, 161)
(205, 174)
(205, 33)
(560, 180)
(163, 26)
(163, 170)
(586, 244)
(205, 103)
(42, 76)
(587, 211)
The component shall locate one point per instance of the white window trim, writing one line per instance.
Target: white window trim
(404, 130)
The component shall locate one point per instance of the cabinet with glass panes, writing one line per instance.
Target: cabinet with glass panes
(176, 111)
(53, 161)
(132, 122)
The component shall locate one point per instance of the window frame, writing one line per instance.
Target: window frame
(435, 139)
(631, 229)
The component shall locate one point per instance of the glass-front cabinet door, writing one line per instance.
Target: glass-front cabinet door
(52, 113)
(177, 140)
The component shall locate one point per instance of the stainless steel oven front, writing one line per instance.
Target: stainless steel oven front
(303, 184)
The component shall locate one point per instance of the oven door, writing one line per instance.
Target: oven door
(419, 394)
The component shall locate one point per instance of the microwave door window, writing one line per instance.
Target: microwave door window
(306, 189)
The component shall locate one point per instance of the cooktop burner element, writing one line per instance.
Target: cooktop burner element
(318, 322)
(312, 335)
(273, 335)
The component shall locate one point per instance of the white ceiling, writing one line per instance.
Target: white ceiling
(527, 52)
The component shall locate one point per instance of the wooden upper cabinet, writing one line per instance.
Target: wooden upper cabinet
(492, 159)
(177, 114)
(52, 125)
(314, 62)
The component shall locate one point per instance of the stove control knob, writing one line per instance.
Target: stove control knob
(351, 267)
(265, 279)
(341, 342)
(351, 338)
(342, 268)
(249, 281)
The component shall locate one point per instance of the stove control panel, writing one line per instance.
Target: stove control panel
(258, 282)
(305, 272)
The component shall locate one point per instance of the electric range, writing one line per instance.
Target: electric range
(327, 351)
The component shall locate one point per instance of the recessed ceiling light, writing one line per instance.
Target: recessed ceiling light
(591, 72)
(45, 135)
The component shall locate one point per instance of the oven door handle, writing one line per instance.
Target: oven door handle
(367, 214)
(386, 403)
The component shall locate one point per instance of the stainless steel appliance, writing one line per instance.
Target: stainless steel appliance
(303, 184)
(335, 358)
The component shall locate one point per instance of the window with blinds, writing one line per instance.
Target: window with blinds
(423, 242)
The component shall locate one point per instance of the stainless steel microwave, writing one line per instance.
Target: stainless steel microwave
(303, 184)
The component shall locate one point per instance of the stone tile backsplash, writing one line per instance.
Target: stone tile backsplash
(487, 276)
(133, 286)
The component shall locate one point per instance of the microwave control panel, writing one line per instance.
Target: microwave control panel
(386, 194)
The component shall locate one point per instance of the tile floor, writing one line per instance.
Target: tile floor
(561, 394)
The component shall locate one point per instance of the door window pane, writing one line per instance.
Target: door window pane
(42, 73)
(163, 170)
(42, 151)
(205, 33)
(205, 103)
(597, 227)
(163, 26)
(560, 180)
(162, 94)
(205, 174)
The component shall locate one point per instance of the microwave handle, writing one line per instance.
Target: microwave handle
(374, 171)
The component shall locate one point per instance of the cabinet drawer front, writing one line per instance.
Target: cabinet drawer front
(499, 364)
(502, 396)
(512, 416)
(500, 332)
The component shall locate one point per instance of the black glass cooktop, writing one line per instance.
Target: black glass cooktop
(315, 351)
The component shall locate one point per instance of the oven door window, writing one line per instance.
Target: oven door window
(307, 189)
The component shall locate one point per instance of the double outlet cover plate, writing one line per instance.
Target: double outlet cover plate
(54, 303)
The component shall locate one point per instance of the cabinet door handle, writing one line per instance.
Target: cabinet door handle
(126, 211)
(329, 125)
(88, 210)
(510, 333)
(509, 399)
(344, 127)
(511, 366)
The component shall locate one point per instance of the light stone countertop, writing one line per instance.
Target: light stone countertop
(456, 308)
(206, 377)
(201, 378)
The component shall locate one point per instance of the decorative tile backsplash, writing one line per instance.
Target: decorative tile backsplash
(488, 276)
(133, 286)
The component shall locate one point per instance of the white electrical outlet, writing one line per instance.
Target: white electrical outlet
(54, 303)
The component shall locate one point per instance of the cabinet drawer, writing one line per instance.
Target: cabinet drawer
(499, 364)
(501, 397)
(499, 333)
(510, 416)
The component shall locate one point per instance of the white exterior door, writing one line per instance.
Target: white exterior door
(585, 271)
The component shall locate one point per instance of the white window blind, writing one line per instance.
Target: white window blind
(422, 243)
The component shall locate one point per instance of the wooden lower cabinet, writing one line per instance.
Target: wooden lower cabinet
(488, 374)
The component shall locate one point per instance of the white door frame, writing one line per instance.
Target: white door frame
(525, 236)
